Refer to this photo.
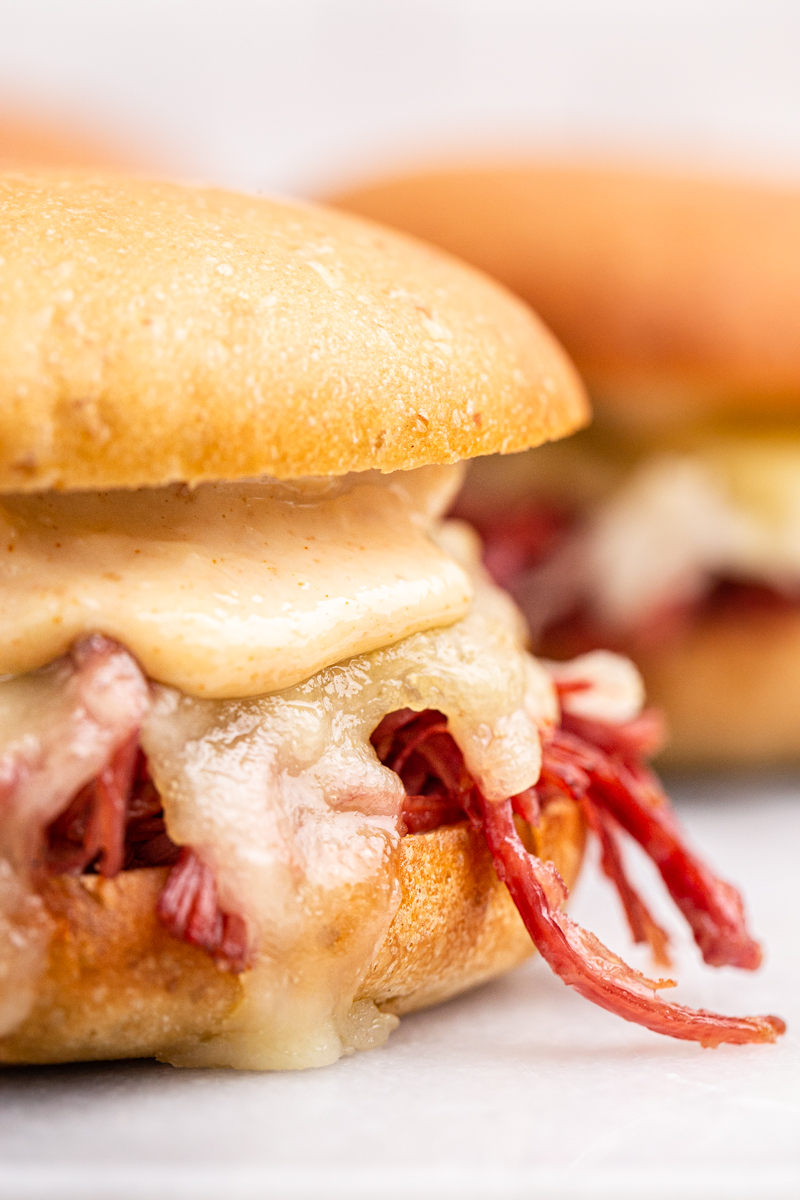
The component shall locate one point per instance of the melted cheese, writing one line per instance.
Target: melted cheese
(228, 590)
(280, 793)
(284, 797)
(615, 691)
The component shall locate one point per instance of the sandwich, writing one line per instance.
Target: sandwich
(670, 531)
(275, 764)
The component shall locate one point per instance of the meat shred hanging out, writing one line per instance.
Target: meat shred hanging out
(600, 766)
(116, 822)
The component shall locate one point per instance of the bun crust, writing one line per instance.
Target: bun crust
(120, 986)
(152, 333)
(675, 296)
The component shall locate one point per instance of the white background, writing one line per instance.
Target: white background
(520, 1090)
(301, 94)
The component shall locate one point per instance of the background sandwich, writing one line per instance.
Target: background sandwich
(265, 725)
(672, 529)
(32, 140)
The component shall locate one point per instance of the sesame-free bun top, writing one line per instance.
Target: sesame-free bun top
(676, 297)
(151, 332)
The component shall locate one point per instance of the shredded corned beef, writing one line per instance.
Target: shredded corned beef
(599, 766)
(116, 822)
(584, 760)
(643, 926)
(189, 908)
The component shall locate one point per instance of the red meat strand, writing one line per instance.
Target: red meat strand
(643, 926)
(420, 749)
(620, 784)
(114, 823)
(527, 805)
(421, 814)
(147, 843)
(90, 833)
(583, 962)
(631, 741)
(189, 908)
(605, 775)
(117, 823)
(106, 826)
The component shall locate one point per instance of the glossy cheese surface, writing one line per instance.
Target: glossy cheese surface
(228, 590)
(284, 798)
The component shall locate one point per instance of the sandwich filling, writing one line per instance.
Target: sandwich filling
(272, 746)
(611, 551)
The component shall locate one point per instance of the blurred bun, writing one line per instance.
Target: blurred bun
(676, 297)
(731, 689)
(28, 141)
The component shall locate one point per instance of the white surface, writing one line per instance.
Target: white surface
(521, 1089)
(297, 94)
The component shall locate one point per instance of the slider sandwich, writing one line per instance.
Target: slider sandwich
(275, 764)
(671, 530)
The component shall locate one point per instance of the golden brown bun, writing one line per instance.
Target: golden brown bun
(676, 296)
(120, 986)
(151, 332)
(730, 689)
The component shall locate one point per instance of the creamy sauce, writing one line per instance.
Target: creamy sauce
(228, 590)
(284, 797)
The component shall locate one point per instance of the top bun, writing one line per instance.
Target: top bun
(151, 332)
(676, 297)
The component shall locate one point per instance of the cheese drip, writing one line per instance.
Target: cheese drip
(230, 589)
(285, 799)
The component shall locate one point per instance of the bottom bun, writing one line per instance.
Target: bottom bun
(120, 986)
(730, 688)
